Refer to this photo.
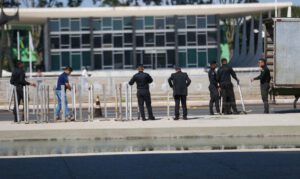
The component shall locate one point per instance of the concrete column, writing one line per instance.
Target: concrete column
(47, 48)
(218, 38)
(251, 43)
(134, 42)
(259, 45)
(176, 40)
(244, 39)
(289, 12)
(92, 43)
(237, 41)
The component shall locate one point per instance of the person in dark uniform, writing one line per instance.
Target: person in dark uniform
(18, 80)
(265, 78)
(179, 82)
(213, 88)
(224, 74)
(142, 81)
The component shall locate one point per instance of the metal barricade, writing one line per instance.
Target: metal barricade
(91, 103)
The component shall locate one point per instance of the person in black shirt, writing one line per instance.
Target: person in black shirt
(18, 80)
(265, 78)
(213, 88)
(179, 82)
(142, 81)
(224, 74)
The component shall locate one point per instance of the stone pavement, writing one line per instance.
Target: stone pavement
(228, 125)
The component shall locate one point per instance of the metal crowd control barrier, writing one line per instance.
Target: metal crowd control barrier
(17, 104)
(91, 103)
(41, 103)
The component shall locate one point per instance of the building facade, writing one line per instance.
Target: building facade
(158, 42)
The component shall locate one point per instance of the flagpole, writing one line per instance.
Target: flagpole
(30, 55)
(18, 43)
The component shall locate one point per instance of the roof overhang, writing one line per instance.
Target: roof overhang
(40, 15)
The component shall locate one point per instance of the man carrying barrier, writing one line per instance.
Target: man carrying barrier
(18, 81)
(142, 81)
(61, 89)
(179, 82)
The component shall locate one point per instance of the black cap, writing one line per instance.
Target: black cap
(177, 68)
(223, 60)
(68, 68)
(212, 62)
(263, 59)
(140, 66)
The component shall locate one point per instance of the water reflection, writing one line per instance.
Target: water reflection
(54, 146)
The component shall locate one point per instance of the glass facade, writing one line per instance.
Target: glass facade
(123, 42)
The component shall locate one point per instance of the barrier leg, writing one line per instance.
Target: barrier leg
(120, 104)
(48, 103)
(168, 107)
(127, 102)
(54, 104)
(80, 88)
(92, 102)
(17, 104)
(130, 102)
(11, 95)
(104, 101)
(63, 94)
(74, 101)
(116, 102)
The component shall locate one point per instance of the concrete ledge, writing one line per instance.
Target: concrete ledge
(237, 125)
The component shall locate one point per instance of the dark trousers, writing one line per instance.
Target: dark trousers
(214, 99)
(177, 99)
(20, 97)
(144, 97)
(228, 100)
(264, 90)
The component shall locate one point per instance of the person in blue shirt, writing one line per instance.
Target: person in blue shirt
(63, 79)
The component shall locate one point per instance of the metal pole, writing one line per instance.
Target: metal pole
(168, 107)
(24, 103)
(17, 104)
(11, 94)
(116, 102)
(54, 105)
(74, 100)
(92, 102)
(63, 94)
(130, 102)
(104, 101)
(120, 91)
(89, 103)
(48, 102)
(127, 102)
(80, 88)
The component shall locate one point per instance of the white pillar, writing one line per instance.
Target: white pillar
(289, 12)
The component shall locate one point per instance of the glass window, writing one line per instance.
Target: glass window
(127, 22)
(85, 38)
(212, 37)
(54, 25)
(140, 41)
(98, 61)
(75, 26)
(212, 54)
(85, 24)
(117, 24)
(149, 21)
(65, 41)
(86, 58)
(181, 23)
(192, 56)
(170, 37)
(128, 38)
(107, 58)
(160, 40)
(54, 42)
(107, 23)
(139, 57)
(182, 40)
(65, 59)
(191, 21)
(107, 39)
(149, 38)
(139, 24)
(75, 42)
(171, 58)
(182, 59)
(64, 24)
(118, 61)
(201, 39)
(159, 23)
(202, 61)
(97, 42)
(118, 41)
(191, 37)
(147, 60)
(169, 22)
(97, 24)
(211, 20)
(55, 62)
(161, 60)
(128, 57)
(76, 61)
(201, 23)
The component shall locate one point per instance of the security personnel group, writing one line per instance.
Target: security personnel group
(220, 87)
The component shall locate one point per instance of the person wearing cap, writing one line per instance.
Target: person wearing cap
(213, 88)
(18, 79)
(224, 74)
(142, 81)
(265, 78)
(179, 82)
(63, 79)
